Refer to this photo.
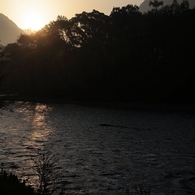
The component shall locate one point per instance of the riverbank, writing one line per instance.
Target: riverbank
(133, 105)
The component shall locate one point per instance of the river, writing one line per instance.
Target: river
(102, 150)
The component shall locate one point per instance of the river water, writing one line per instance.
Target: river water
(102, 150)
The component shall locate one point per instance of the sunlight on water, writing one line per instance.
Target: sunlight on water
(41, 130)
(26, 131)
(37, 127)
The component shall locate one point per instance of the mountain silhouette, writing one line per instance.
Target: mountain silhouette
(9, 31)
(144, 7)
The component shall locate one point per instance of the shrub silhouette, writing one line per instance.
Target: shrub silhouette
(45, 166)
(11, 185)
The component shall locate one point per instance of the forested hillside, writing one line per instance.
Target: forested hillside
(144, 7)
(126, 56)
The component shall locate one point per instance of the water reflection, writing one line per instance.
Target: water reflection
(40, 127)
(39, 131)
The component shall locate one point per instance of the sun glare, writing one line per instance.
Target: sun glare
(33, 20)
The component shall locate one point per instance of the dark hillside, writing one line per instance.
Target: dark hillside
(9, 31)
(144, 7)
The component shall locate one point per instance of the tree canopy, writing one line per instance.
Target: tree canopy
(126, 56)
(156, 4)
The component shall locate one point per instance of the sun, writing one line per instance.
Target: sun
(33, 19)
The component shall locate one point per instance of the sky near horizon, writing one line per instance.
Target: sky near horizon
(35, 14)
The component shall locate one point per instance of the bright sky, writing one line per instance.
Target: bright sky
(34, 14)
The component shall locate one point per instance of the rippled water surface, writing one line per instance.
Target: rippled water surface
(103, 150)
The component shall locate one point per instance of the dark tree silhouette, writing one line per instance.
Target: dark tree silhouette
(184, 5)
(124, 56)
(156, 4)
